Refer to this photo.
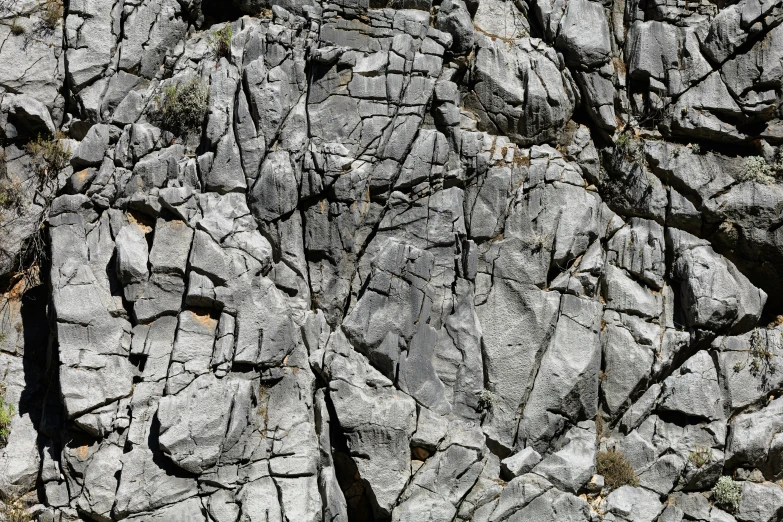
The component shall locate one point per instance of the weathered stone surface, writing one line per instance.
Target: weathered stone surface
(520, 463)
(629, 503)
(524, 105)
(369, 411)
(404, 253)
(714, 293)
(195, 421)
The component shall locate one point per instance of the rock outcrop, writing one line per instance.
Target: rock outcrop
(413, 261)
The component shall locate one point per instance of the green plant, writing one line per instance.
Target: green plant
(623, 141)
(616, 469)
(51, 12)
(700, 456)
(757, 169)
(486, 399)
(696, 148)
(10, 195)
(14, 511)
(220, 40)
(6, 414)
(727, 493)
(630, 148)
(761, 360)
(183, 106)
(49, 157)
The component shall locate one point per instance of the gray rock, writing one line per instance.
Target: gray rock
(381, 324)
(275, 192)
(631, 503)
(520, 463)
(445, 478)
(185, 511)
(390, 257)
(225, 173)
(639, 248)
(170, 247)
(694, 389)
(92, 147)
(145, 485)
(100, 483)
(161, 295)
(132, 260)
(28, 116)
(499, 18)
(192, 435)
(748, 373)
(369, 410)
(572, 466)
(584, 33)
(762, 502)
(454, 18)
(510, 95)
(20, 458)
(754, 438)
(567, 378)
(192, 351)
(714, 293)
(551, 506)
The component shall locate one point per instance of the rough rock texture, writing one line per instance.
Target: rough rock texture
(411, 261)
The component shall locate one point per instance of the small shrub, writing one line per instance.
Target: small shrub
(630, 148)
(6, 414)
(51, 13)
(49, 157)
(10, 195)
(727, 493)
(599, 426)
(220, 40)
(623, 141)
(700, 456)
(16, 28)
(757, 169)
(761, 361)
(485, 400)
(14, 511)
(183, 106)
(696, 148)
(616, 469)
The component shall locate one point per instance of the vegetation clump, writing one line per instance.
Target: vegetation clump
(6, 414)
(700, 456)
(630, 148)
(10, 195)
(14, 511)
(761, 361)
(51, 13)
(616, 469)
(485, 400)
(16, 28)
(49, 157)
(727, 493)
(759, 170)
(220, 40)
(183, 106)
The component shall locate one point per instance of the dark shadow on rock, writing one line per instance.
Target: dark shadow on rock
(35, 326)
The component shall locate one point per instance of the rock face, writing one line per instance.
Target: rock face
(413, 261)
